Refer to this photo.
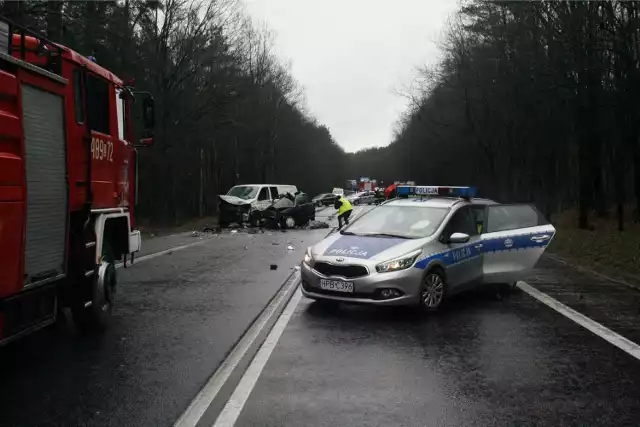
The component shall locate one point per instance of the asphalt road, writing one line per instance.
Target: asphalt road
(478, 362)
(177, 316)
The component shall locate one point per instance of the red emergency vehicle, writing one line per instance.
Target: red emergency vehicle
(367, 184)
(68, 181)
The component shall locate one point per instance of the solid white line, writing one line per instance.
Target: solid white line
(603, 332)
(203, 399)
(166, 251)
(232, 409)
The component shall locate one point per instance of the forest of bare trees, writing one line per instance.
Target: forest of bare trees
(531, 101)
(228, 110)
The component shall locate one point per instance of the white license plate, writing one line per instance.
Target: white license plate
(336, 285)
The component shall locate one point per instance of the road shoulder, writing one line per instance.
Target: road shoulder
(606, 300)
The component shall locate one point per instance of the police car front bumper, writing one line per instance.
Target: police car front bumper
(380, 289)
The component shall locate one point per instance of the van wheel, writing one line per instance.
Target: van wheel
(254, 219)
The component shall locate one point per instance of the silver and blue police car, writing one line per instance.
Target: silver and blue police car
(424, 246)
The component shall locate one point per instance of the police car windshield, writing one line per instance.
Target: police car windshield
(403, 221)
(243, 192)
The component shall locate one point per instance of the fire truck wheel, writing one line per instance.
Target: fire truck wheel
(94, 315)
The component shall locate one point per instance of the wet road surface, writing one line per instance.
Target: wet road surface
(176, 317)
(478, 362)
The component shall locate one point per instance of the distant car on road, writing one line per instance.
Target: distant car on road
(362, 198)
(324, 199)
(423, 250)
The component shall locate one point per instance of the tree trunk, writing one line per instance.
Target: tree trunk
(54, 20)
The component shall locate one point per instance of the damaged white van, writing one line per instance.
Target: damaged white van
(237, 204)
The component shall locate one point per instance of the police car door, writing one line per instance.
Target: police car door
(513, 239)
(463, 261)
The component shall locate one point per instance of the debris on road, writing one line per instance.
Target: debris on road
(273, 266)
(314, 225)
(194, 233)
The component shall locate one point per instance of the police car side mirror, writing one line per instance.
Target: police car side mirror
(459, 238)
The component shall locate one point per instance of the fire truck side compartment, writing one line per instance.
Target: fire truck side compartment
(46, 182)
(11, 187)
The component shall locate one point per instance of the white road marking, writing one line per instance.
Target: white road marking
(166, 251)
(205, 397)
(603, 332)
(232, 409)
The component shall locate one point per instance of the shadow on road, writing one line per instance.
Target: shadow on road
(400, 315)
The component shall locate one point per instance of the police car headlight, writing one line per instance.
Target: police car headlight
(308, 259)
(400, 263)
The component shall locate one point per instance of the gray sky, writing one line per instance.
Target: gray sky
(350, 55)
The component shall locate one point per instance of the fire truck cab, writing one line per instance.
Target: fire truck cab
(68, 183)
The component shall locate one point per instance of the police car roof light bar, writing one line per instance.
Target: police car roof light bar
(436, 191)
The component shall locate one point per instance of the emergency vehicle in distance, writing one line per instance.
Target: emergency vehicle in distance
(367, 184)
(68, 183)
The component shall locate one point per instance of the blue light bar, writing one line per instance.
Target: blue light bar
(426, 191)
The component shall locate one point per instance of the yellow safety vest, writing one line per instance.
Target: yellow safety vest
(345, 206)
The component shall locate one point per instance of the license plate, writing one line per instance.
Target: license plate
(336, 285)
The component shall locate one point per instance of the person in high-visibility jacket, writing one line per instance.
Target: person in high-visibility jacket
(344, 210)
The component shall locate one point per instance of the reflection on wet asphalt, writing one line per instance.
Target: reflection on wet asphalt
(478, 363)
(176, 318)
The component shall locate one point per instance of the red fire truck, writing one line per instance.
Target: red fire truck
(68, 181)
(367, 184)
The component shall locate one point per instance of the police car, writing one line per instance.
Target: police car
(424, 246)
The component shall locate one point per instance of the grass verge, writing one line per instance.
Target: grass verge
(604, 248)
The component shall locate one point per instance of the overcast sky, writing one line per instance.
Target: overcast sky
(350, 56)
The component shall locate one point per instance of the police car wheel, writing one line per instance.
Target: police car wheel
(433, 290)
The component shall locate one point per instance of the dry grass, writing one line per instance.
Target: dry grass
(197, 224)
(604, 249)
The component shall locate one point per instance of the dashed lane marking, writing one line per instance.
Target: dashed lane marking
(602, 331)
(166, 251)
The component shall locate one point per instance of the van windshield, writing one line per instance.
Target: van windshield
(244, 192)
